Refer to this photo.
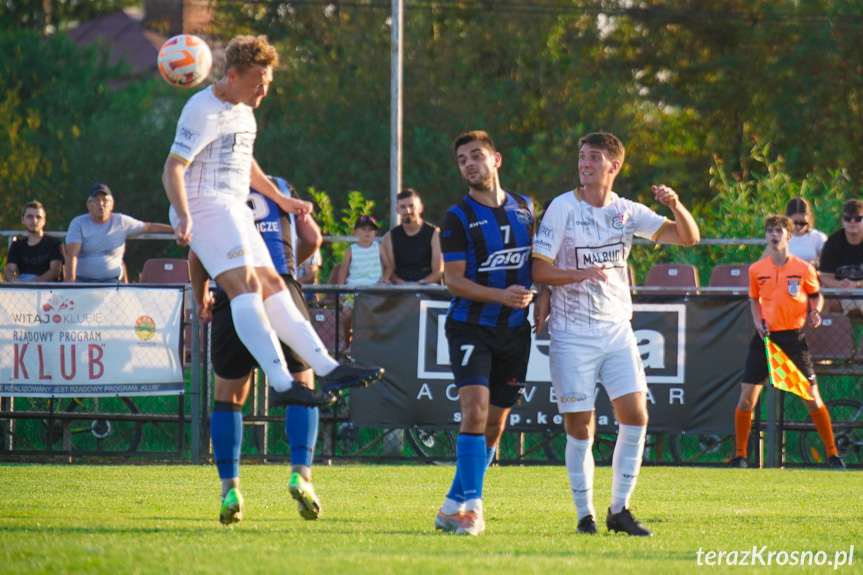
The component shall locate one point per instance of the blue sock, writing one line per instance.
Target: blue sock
(226, 431)
(455, 491)
(301, 427)
(470, 464)
(489, 455)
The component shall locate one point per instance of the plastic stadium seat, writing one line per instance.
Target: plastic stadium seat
(832, 341)
(732, 276)
(331, 298)
(324, 321)
(165, 271)
(673, 276)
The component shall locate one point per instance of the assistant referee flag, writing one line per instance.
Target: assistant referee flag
(784, 374)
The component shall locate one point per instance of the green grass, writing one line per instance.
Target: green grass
(378, 519)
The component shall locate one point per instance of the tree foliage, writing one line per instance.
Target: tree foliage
(689, 87)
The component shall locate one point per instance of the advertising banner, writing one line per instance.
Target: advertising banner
(692, 349)
(90, 341)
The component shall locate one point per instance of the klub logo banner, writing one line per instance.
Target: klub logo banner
(90, 341)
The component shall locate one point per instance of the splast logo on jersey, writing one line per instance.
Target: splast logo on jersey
(511, 259)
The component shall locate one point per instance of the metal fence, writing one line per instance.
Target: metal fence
(176, 427)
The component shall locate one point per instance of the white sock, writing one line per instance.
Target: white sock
(474, 505)
(451, 506)
(298, 332)
(228, 484)
(625, 464)
(580, 467)
(253, 329)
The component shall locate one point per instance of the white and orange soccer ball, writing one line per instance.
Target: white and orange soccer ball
(185, 61)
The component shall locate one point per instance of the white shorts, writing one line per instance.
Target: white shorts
(224, 236)
(607, 356)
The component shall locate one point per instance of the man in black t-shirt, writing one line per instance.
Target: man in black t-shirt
(842, 257)
(39, 258)
(412, 249)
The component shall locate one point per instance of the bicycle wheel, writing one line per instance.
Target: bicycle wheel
(103, 434)
(554, 446)
(845, 414)
(431, 443)
(702, 448)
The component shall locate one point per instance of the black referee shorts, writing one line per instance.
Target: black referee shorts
(791, 342)
(492, 356)
(231, 359)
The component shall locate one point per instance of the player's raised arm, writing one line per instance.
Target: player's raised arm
(175, 189)
(262, 184)
(683, 230)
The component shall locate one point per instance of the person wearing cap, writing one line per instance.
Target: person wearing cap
(412, 249)
(842, 256)
(39, 258)
(361, 265)
(96, 241)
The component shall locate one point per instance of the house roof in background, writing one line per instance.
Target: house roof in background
(130, 40)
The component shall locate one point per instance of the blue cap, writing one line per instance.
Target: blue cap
(99, 189)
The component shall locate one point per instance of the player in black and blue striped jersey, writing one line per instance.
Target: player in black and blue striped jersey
(486, 241)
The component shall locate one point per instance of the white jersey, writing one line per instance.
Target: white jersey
(807, 246)
(215, 139)
(576, 235)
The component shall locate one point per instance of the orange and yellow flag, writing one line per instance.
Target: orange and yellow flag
(784, 374)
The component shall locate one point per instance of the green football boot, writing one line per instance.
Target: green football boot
(232, 507)
(308, 503)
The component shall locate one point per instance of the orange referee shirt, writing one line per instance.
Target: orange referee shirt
(783, 291)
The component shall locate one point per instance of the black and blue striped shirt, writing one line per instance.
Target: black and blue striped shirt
(495, 245)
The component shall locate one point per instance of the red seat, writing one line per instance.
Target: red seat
(165, 271)
(673, 276)
(832, 341)
(172, 271)
(732, 276)
(324, 322)
(332, 298)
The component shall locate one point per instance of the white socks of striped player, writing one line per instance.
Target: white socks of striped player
(625, 464)
(580, 466)
(298, 332)
(254, 330)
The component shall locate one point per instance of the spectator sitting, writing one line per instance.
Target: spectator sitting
(806, 242)
(842, 256)
(361, 266)
(40, 258)
(411, 251)
(96, 241)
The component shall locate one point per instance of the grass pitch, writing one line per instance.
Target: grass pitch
(379, 519)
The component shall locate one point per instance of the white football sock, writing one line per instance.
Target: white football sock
(451, 506)
(298, 332)
(625, 464)
(253, 329)
(580, 466)
(474, 505)
(228, 484)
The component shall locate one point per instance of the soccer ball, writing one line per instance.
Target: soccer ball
(185, 61)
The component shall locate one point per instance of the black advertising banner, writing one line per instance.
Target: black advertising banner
(692, 348)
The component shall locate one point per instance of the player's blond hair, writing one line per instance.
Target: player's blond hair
(246, 51)
(605, 141)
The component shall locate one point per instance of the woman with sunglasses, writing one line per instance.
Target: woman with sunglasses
(842, 256)
(806, 242)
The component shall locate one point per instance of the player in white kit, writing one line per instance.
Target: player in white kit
(207, 178)
(581, 249)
